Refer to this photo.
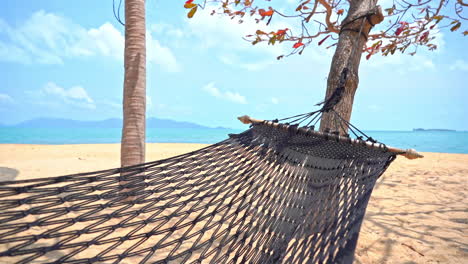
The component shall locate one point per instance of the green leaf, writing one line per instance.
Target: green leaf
(375, 44)
(272, 40)
(192, 12)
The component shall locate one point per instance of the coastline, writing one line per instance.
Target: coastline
(417, 212)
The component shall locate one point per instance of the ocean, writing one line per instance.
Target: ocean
(424, 141)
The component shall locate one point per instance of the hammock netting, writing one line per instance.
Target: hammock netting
(267, 195)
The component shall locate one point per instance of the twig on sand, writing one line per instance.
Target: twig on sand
(412, 248)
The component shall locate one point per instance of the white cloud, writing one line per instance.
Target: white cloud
(402, 63)
(227, 95)
(47, 38)
(418, 62)
(228, 37)
(76, 95)
(167, 29)
(422, 63)
(5, 98)
(105, 40)
(43, 38)
(274, 100)
(460, 65)
(11, 53)
(163, 56)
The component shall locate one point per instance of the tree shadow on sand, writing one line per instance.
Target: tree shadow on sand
(400, 223)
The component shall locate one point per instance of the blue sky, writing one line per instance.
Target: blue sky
(64, 59)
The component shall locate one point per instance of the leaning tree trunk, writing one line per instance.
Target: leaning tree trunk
(343, 54)
(134, 97)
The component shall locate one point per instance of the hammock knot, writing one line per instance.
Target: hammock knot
(25, 213)
(94, 259)
(124, 238)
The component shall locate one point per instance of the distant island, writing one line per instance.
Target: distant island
(432, 129)
(108, 123)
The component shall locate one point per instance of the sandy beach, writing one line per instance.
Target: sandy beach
(418, 212)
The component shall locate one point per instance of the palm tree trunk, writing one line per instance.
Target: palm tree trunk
(343, 53)
(134, 97)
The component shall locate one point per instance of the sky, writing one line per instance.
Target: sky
(64, 59)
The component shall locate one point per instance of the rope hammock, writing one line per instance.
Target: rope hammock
(276, 193)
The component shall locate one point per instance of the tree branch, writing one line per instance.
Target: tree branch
(330, 26)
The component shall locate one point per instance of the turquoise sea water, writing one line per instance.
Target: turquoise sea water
(426, 141)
